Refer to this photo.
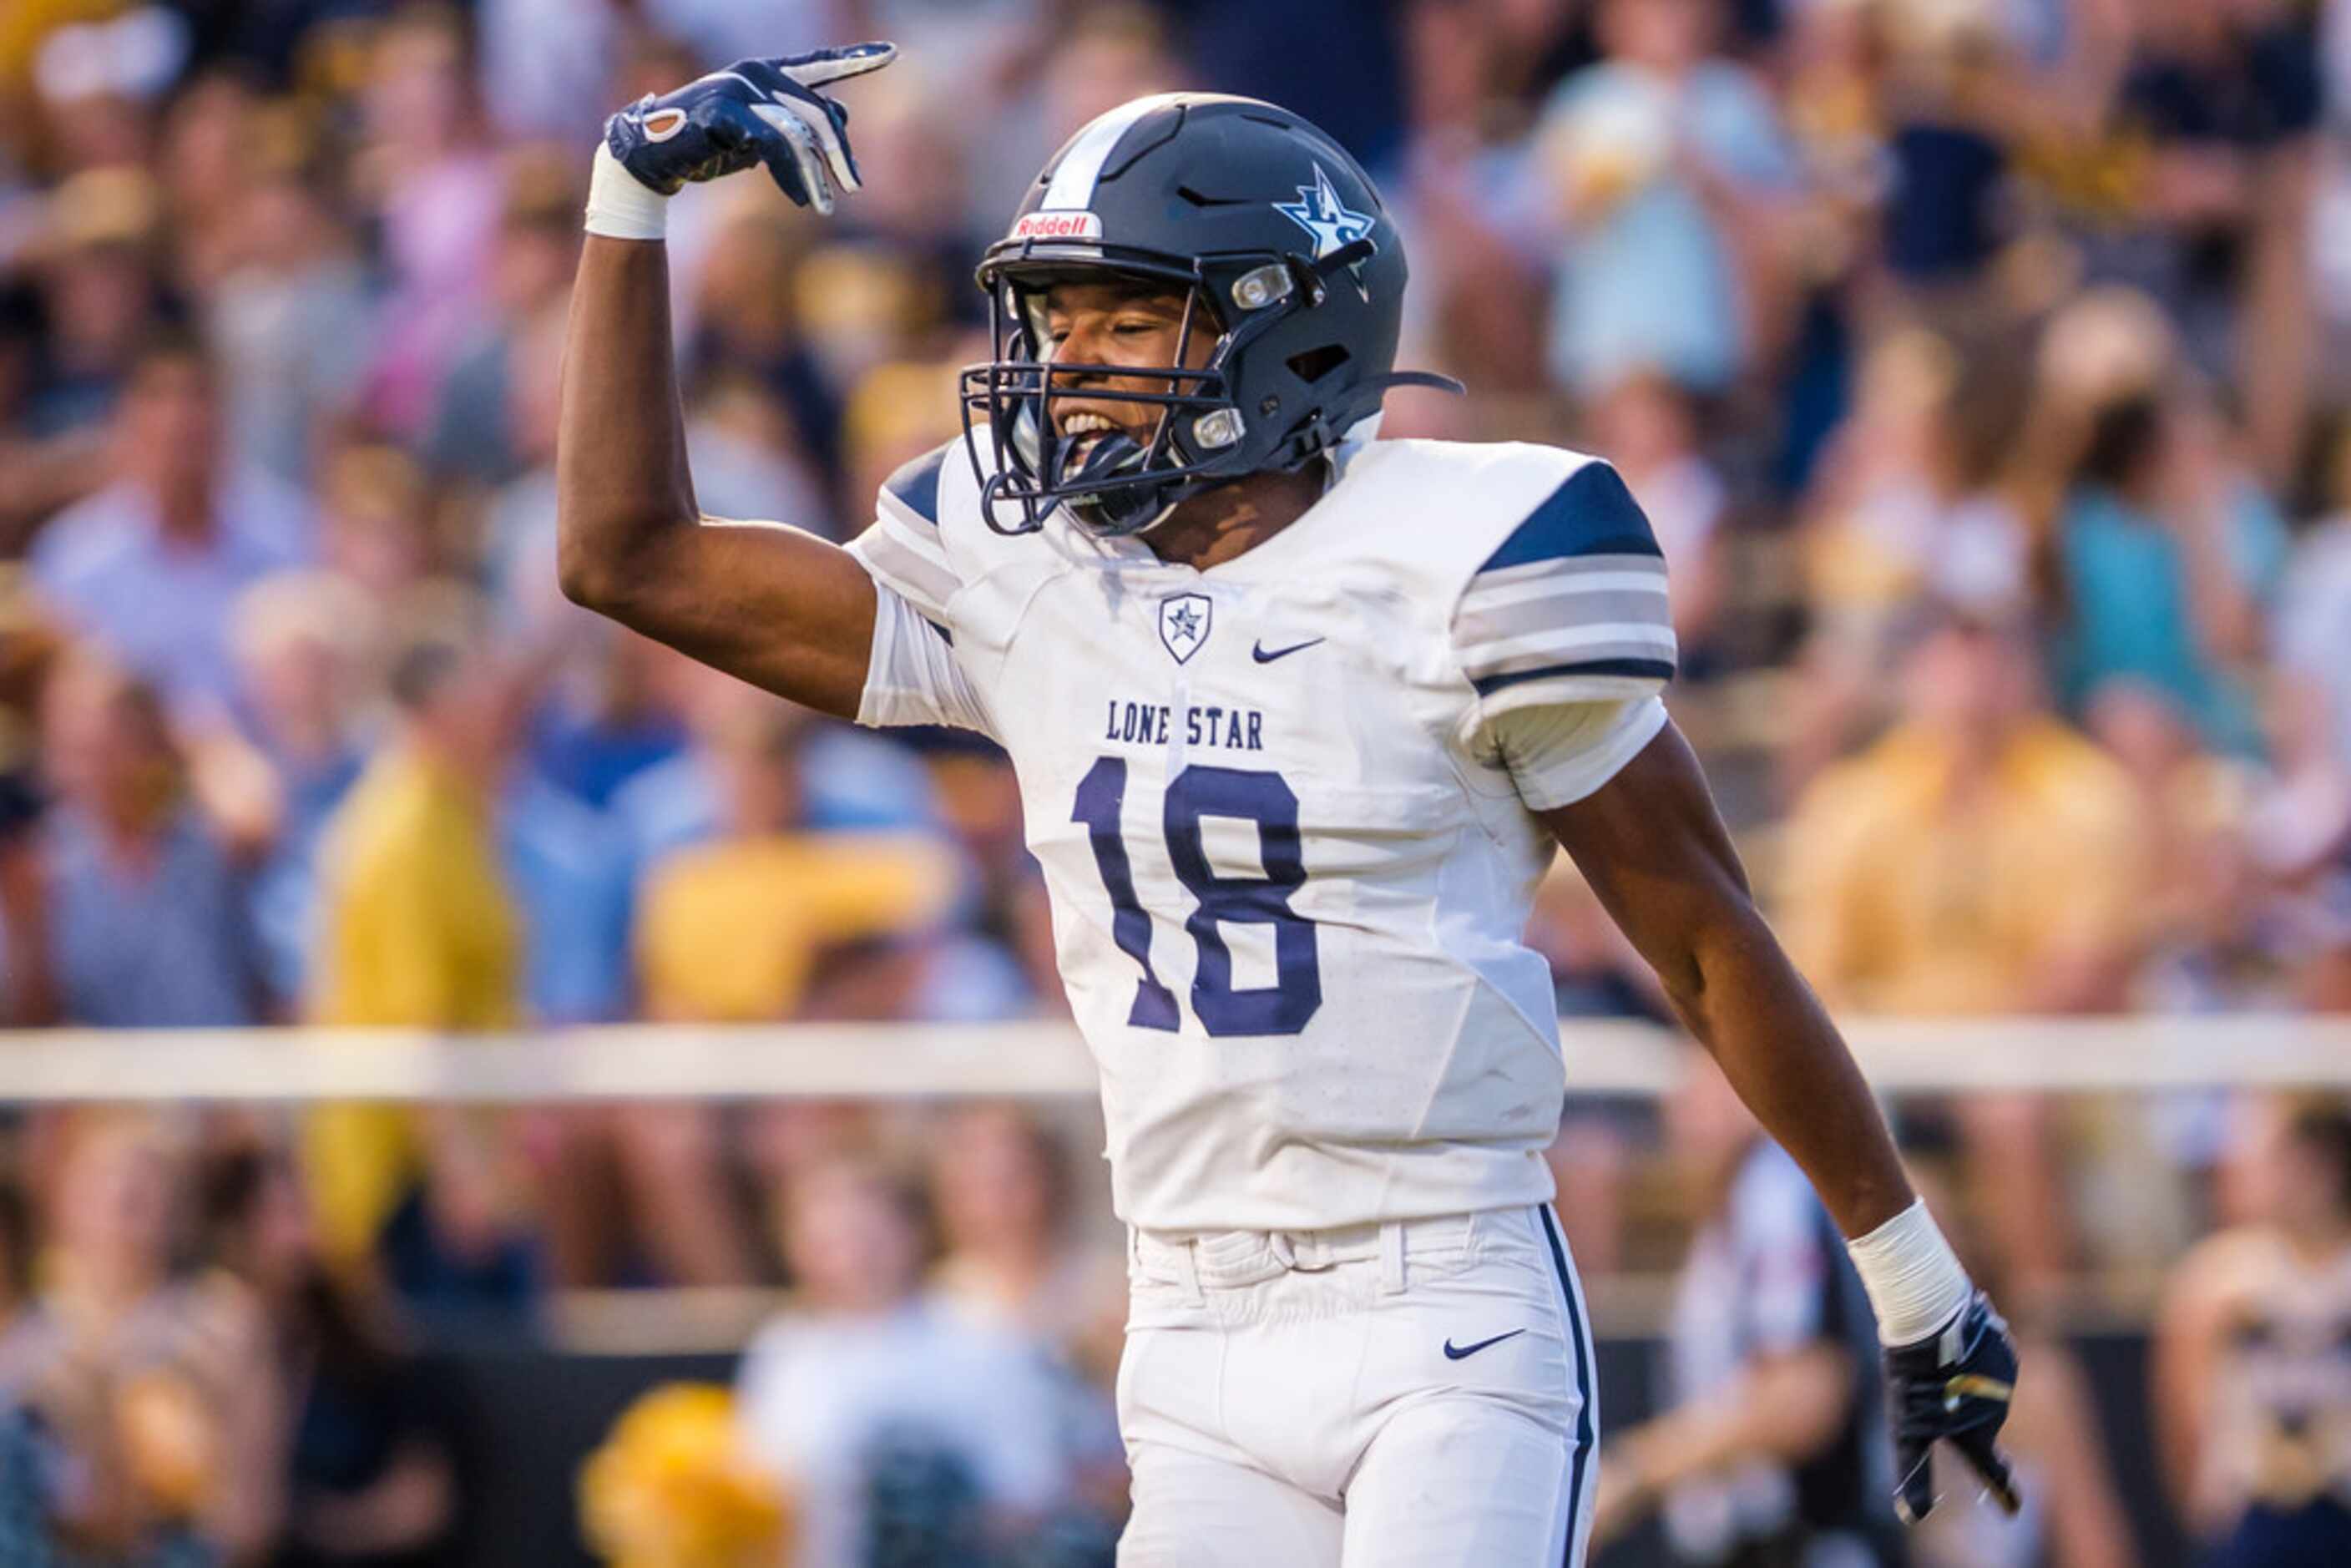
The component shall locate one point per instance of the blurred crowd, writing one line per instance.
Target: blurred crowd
(1976, 361)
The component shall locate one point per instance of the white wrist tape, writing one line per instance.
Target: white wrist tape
(620, 206)
(1914, 1282)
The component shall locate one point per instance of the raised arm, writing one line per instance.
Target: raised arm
(777, 607)
(782, 608)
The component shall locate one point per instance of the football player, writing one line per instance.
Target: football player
(1299, 717)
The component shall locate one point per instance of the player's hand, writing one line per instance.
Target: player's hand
(1955, 1386)
(754, 111)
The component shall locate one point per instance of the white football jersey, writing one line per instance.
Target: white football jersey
(1290, 867)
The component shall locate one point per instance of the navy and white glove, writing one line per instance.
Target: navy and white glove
(1953, 1385)
(755, 111)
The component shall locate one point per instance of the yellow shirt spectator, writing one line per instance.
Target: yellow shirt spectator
(1908, 894)
(418, 933)
(732, 931)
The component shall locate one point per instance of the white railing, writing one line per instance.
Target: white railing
(915, 1061)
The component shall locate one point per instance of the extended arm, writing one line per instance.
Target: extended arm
(1658, 856)
(1656, 852)
(780, 608)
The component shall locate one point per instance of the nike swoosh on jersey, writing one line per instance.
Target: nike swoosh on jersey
(1457, 1351)
(1259, 650)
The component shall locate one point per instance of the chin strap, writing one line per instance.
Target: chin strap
(1124, 509)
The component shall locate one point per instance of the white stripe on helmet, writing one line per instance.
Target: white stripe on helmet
(1082, 165)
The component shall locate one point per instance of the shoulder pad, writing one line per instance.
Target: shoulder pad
(914, 487)
(1572, 605)
(1591, 513)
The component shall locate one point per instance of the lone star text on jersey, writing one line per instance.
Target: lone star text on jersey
(1205, 725)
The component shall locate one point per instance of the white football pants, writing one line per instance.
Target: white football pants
(1407, 1395)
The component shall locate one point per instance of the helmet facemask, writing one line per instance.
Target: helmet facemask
(1115, 484)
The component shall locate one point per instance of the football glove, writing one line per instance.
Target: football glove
(754, 111)
(1955, 1386)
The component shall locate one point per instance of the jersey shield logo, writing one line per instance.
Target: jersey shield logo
(1183, 623)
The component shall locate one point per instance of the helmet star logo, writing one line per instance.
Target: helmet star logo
(1321, 213)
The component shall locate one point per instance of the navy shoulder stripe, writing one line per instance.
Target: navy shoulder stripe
(1660, 670)
(1592, 514)
(917, 483)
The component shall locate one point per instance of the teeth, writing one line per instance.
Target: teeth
(1085, 425)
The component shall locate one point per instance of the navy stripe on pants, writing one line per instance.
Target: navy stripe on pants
(1584, 1402)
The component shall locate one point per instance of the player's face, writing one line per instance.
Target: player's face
(1115, 323)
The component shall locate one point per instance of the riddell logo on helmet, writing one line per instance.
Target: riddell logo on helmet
(1058, 226)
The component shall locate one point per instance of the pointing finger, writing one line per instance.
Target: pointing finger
(836, 65)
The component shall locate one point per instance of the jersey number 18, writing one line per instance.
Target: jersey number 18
(1283, 1008)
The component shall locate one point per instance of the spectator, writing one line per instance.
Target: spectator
(868, 1384)
(976, 970)
(157, 1394)
(1775, 1447)
(1982, 857)
(613, 715)
(1666, 163)
(569, 870)
(2229, 98)
(2249, 1407)
(152, 566)
(748, 330)
(744, 927)
(206, 166)
(377, 523)
(474, 434)
(1000, 1184)
(292, 313)
(369, 1480)
(101, 292)
(2209, 946)
(301, 640)
(142, 904)
(1903, 505)
(422, 931)
(1015, 1263)
(438, 195)
(2166, 547)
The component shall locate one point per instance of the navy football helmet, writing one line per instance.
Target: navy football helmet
(1289, 261)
